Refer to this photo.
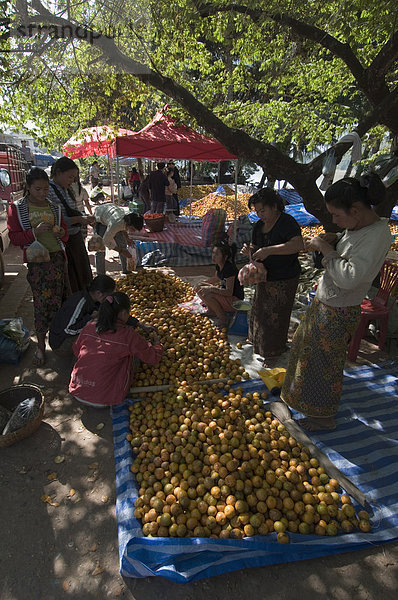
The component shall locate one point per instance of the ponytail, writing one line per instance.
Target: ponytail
(109, 311)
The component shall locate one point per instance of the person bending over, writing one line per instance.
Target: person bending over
(116, 228)
(105, 350)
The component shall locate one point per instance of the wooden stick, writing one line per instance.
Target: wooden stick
(161, 388)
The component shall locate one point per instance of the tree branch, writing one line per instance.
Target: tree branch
(311, 32)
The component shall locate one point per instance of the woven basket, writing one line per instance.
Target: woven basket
(155, 225)
(10, 398)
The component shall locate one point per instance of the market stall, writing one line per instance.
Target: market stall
(163, 137)
(211, 478)
(95, 141)
(361, 448)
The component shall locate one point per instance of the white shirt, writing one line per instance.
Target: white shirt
(350, 270)
(111, 216)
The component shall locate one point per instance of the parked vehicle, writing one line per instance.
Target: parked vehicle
(12, 183)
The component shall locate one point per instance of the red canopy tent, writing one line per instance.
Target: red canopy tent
(164, 138)
(93, 141)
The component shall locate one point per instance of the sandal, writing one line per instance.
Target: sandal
(310, 424)
(39, 358)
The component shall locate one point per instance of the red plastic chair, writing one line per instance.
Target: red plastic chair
(378, 308)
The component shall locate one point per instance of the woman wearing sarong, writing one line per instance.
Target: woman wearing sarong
(351, 260)
(63, 174)
(276, 241)
(35, 219)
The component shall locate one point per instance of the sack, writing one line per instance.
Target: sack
(96, 243)
(132, 262)
(126, 191)
(213, 226)
(329, 165)
(14, 340)
(244, 229)
(37, 253)
(253, 272)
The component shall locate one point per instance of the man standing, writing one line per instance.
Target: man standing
(157, 188)
(177, 179)
(26, 151)
(94, 174)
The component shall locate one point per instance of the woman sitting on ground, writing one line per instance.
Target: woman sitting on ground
(220, 292)
(351, 260)
(105, 350)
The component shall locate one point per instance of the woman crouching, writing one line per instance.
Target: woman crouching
(105, 350)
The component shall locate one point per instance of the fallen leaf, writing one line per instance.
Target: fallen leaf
(59, 459)
(52, 476)
(94, 547)
(72, 492)
(23, 471)
(46, 498)
(100, 426)
(98, 570)
(93, 465)
(65, 585)
(104, 499)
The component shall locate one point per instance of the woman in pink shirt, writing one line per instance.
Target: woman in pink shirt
(105, 350)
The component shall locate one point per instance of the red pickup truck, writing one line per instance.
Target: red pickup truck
(12, 184)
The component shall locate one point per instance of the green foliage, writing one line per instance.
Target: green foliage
(257, 75)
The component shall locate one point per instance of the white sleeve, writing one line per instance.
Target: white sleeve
(362, 264)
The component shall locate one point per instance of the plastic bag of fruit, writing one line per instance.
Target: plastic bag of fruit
(253, 272)
(96, 243)
(38, 253)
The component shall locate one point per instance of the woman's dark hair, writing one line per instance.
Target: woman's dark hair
(102, 283)
(267, 197)
(134, 220)
(63, 164)
(109, 311)
(36, 174)
(368, 190)
(169, 171)
(228, 251)
(133, 170)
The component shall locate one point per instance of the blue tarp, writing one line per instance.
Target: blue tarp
(364, 447)
(290, 196)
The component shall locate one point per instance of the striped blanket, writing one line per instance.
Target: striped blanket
(364, 446)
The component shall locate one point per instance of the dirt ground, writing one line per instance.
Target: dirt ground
(70, 549)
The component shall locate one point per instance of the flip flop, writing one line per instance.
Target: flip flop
(309, 425)
(39, 360)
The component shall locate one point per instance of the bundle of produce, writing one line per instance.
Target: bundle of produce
(219, 466)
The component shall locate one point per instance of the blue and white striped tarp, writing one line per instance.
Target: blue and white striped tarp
(290, 196)
(297, 211)
(364, 447)
(302, 216)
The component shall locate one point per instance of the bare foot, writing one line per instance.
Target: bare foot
(39, 358)
(318, 423)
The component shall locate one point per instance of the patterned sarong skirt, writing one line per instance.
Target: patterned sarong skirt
(314, 375)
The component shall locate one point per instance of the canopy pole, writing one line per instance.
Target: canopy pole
(119, 194)
(235, 226)
(190, 187)
(111, 176)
